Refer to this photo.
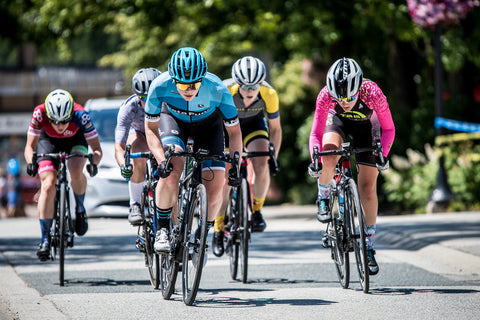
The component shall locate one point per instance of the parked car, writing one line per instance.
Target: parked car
(107, 193)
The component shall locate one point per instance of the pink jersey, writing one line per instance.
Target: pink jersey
(80, 121)
(377, 112)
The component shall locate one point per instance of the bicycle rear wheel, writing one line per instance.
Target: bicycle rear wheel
(148, 234)
(195, 240)
(63, 227)
(244, 230)
(357, 232)
(232, 245)
(336, 234)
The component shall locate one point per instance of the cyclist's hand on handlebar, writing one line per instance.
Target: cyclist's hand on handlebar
(126, 171)
(382, 166)
(274, 166)
(32, 169)
(314, 173)
(162, 171)
(233, 178)
(92, 169)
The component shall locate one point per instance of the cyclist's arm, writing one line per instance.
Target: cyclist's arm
(381, 108)
(275, 129)
(322, 106)
(124, 121)
(234, 138)
(153, 139)
(94, 143)
(30, 147)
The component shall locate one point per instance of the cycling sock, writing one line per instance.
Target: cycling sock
(79, 198)
(257, 204)
(369, 240)
(45, 226)
(323, 191)
(163, 217)
(135, 190)
(209, 225)
(219, 225)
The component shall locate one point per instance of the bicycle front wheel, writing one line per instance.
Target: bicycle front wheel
(243, 214)
(232, 245)
(195, 240)
(336, 233)
(62, 214)
(357, 231)
(148, 234)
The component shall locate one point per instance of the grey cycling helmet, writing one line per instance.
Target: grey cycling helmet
(248, 71)
(344, 78)
(142, 79)
(59, 106)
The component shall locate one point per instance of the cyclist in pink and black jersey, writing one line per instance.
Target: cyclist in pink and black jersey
(60, 125)
(351, 106)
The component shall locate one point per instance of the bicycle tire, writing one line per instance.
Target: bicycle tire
(243, 213)
(146, 230)
(357, 227)
(194, 250)
(62, 232)
(232, 245)
(336, 232)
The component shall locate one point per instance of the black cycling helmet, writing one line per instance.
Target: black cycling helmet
(142, 79)
(344, 78)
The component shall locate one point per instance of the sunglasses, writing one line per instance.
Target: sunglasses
(349, 99)
(59, 122)
(143, 98)
(185, 86)
(251, 87)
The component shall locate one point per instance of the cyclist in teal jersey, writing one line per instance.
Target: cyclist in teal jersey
(189, 102)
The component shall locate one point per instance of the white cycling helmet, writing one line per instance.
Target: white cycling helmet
(142, 79)
(248, 71)
(344, 78)
(59, 106)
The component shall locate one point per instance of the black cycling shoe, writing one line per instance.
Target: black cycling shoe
(81, 223)
(323, 213)
(258, 224)
(217, 243)
(43, 252)
(372, 263)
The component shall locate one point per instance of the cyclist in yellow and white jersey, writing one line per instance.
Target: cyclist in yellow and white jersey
(254, 98)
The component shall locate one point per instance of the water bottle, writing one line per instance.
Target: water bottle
(151, 204)
(341, 203)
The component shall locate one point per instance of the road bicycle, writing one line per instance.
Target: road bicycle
(146, 231)
(238, 224)
(347, 230)
(189, 237)
(62, 231)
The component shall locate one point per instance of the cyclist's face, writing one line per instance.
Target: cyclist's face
(249, 96)
(61, 127)
(188, 94)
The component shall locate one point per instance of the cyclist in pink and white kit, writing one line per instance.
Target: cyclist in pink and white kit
(351, 106)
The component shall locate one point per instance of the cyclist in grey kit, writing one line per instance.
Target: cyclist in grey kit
(131, 130)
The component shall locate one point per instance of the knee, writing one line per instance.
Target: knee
(48, 186)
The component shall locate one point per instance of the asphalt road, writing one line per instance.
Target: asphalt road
(429, 269)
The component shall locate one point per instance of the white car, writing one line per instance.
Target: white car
(107, 193)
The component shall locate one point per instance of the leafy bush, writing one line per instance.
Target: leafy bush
(409, 184)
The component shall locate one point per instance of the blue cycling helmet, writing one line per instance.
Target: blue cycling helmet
(187, 65)
(13, 166)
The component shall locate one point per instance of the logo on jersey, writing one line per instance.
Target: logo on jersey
(353, 115)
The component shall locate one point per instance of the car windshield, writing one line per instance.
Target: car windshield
(105, 121)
